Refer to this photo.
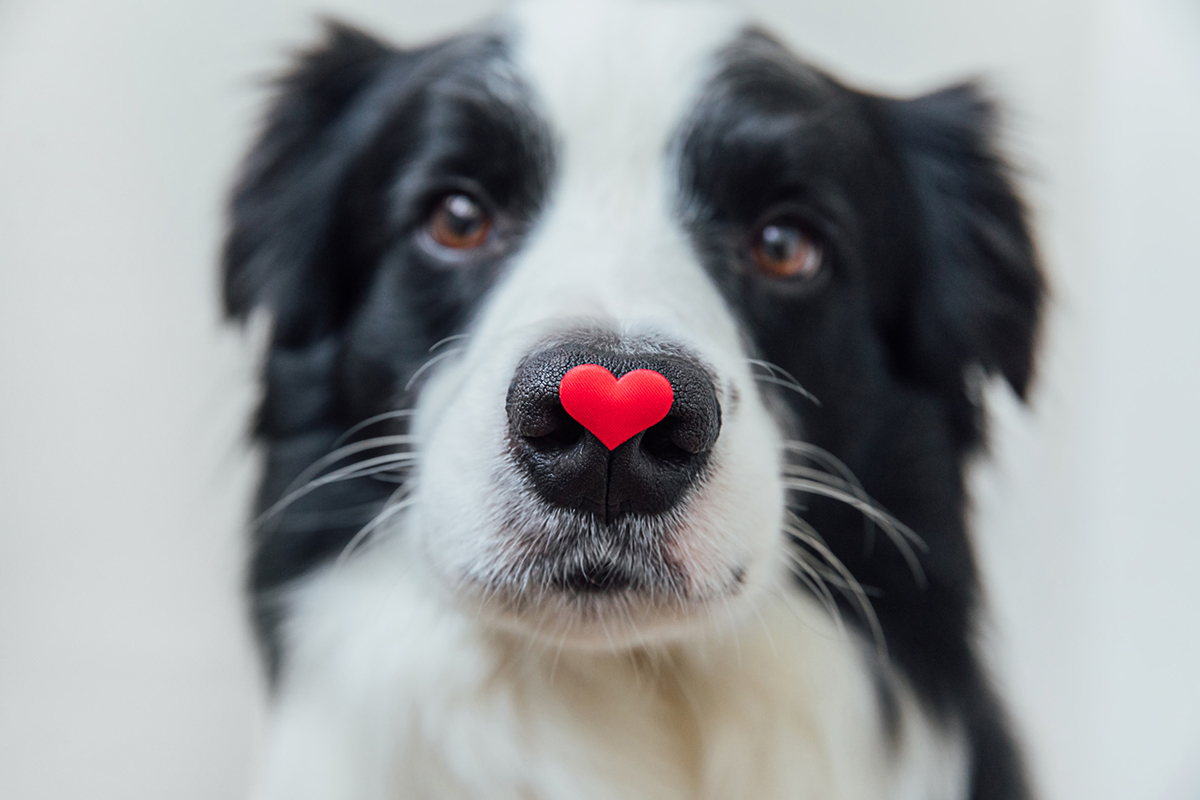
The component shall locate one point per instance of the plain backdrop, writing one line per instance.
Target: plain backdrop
(126, 668)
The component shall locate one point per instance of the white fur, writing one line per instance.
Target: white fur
(394, 693)
(403, 680)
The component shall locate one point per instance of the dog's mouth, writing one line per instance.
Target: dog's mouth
(570, 576)
(597, 578)
(578, 555)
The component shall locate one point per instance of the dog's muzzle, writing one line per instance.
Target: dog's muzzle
(571, 468)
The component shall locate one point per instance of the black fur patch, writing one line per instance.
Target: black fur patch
(930, 279)
(325, 231)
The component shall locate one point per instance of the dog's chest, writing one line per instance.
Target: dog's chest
(404, 697)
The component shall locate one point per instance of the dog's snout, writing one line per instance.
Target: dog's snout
(647, 473)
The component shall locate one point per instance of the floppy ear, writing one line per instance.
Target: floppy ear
(280, 251)
(977, 290)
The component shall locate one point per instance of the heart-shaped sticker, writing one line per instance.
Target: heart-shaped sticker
(615, 410)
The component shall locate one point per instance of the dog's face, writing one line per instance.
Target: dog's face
(516, 502)
(441, 234)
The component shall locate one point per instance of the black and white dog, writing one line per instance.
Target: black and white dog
(768, 594)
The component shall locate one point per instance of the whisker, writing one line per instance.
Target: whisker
(774, 369)
(314, 469)
(809, 450)
(793, 471)
(355, 470)
(389, 472)
(345, 437)
(798, 389)
(380, 518)
(900, 534)
(830, 577)
(852, 483)
(431, 362)
(832, 462)
(807, 574)
(805, 534)
(781, 377)
(390, 476)
(451, 338)
(834, 482)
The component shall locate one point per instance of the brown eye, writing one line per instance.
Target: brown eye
(785, 250)
(459, 222)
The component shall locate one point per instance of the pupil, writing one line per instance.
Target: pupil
(780, 243)
(465, 215)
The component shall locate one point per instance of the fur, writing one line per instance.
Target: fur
(800, 623)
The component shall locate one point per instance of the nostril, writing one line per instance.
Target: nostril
(663, 442)
(689, 431)
(554, 429)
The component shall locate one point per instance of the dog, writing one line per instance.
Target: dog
(766, 588)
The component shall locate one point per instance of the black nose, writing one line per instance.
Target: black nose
(646, 474)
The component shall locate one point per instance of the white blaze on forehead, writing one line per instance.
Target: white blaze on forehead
(615, 81)
(617, 77)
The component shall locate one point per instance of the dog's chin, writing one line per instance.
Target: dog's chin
(571, 581)
(578, 614)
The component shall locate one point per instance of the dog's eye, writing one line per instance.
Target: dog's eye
(784, 249)
(459, 222)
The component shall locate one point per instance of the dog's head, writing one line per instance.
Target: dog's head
(440, 234)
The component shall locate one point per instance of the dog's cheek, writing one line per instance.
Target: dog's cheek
(734, 544)
(460, 428)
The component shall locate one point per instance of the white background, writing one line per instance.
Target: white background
(126, 670)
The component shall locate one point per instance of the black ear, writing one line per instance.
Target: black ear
(280, 250)
(977, 292)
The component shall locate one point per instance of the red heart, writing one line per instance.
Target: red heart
(615, 410)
